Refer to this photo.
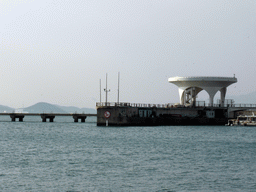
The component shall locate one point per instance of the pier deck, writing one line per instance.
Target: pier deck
(137, 114)
(50, 116)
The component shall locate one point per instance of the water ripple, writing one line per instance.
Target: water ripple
(37, 156)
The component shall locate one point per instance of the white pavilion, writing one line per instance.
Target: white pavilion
(189, 87)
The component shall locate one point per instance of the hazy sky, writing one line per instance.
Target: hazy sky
(57, 51)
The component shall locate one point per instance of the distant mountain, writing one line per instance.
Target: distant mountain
(44, 108)
(244, 99)
(77, 110)
(5, 109)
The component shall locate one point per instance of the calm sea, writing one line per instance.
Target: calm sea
(67, 156)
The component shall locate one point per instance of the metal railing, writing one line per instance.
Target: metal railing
(170, 105)
(239, 105)
(112, 104)
(209, 77)
(242, 105)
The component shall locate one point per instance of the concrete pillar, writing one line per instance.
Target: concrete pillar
(14, 116)
(211, 100)
(182, 95)
(193, 96)
(45, 117)
(51, 119)
(75, 119)
(211, 92)
(222, 96)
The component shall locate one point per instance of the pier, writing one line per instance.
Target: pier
(48, 116)
(142, 114)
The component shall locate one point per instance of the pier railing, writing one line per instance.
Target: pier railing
(112, 104)
(241, 105)
(170, 105)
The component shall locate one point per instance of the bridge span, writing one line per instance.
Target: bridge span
(234, 108)
(49, 116)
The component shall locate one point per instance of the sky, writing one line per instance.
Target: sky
(58, 51)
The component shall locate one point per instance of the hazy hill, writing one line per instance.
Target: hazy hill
(71, 109)
(44, 108)
(6, 109)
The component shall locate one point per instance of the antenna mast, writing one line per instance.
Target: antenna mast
(106, 90)
(100, 90)
(118, 88)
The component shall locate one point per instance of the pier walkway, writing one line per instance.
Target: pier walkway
(49, 116)
(232, 109)
(198, 104)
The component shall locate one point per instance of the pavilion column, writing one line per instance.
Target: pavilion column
(182, 95)
(211, 100)
(211, 91)
(222, 96)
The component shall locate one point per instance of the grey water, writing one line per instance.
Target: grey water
(68, 156)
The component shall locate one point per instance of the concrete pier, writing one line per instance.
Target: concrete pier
(47, 116)
(17, 116)
(136, 114)
(50, 116)
(76, 117)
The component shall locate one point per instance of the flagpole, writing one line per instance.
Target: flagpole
(118, 88)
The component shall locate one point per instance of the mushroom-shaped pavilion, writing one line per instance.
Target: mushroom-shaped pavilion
(189, 87)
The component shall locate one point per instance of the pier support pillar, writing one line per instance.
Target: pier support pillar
(14, 116)
(51, 119)
(77, 117)
(45, 117)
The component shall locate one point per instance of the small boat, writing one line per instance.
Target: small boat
(243, 120)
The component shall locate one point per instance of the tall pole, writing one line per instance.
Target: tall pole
(118, 88)
(106, 90)
(100, 91)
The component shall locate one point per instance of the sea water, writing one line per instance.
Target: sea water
(68, 156)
